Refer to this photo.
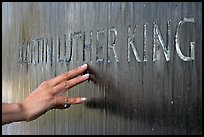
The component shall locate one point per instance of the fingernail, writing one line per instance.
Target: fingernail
(84, 66)
(86, 75)
(83, 99)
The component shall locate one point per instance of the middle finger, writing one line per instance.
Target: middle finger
(68, 75)
(63, 86)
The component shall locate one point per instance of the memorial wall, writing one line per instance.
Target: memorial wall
(145, 61)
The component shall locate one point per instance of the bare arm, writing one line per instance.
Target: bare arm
(12, 112)
(47, 96)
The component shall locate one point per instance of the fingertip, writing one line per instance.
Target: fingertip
(84, 66)
(83, 99)
(86, 76)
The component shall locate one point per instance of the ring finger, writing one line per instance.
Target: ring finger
(62, 102)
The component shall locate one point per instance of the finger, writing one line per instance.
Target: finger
(65, 102)
(63, 86)
(68, 75)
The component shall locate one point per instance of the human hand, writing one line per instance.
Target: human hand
(48, 94)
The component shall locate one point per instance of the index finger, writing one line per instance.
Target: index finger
(68, 75)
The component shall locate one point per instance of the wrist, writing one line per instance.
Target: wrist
(12, 112)
(22, 112)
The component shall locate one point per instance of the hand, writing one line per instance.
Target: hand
(48, 95)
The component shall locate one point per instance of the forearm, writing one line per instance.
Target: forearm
(12, 112)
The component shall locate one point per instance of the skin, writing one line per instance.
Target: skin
(47, 96)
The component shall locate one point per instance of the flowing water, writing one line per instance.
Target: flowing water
(145, 60)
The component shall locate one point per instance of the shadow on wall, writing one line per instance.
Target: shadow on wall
(114, 102)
